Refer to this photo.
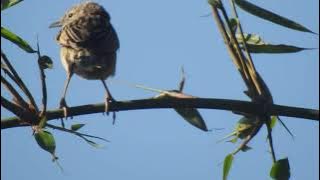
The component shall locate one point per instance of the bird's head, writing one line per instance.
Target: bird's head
(79, 11)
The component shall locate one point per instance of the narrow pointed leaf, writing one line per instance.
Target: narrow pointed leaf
(46, 141)
(92, 143)
(192, 116)
(256, 44)
(277, 49)
(227, 164)
(5, 33)
(234, 133)
(76, 127)
(8, 3)
(270, 16)
(280, 170)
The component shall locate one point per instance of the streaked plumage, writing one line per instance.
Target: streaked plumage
(88, 44)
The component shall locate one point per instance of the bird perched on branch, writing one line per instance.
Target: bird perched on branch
(88, 46)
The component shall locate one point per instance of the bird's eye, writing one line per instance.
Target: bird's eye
(70, 15)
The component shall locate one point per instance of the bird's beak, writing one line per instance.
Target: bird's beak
(55, 24)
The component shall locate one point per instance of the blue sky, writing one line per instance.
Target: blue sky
(156, 39)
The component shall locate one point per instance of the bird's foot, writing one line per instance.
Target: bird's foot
(108, 100)
(64, 107)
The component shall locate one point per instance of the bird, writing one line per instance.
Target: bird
(89, 45)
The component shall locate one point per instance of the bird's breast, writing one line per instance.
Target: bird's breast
(87, 64)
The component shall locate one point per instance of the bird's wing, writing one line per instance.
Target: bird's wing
(92, 32)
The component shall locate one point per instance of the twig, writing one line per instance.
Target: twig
(246, 69)
(16, 96)
(18, 111)
(242, 36)
(74, 132)
(43, 82)
(270, 140)
(19, 82)
(230, 48)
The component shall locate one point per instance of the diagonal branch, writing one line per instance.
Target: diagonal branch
(16, 96)
(232, 51)
(21, 113)
(18, 81)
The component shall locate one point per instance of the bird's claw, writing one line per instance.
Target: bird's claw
(64, 107)
(107, 107)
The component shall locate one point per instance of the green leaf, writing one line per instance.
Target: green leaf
(273, 121)
(227, 165)
(46, 141)
(255, 44)
(271, 48)
(233, 140)
(92, 143)
(45, 62)
(8, 3)
(5, 33)
(280, 170)
(76, 127)
(270, 16)
(192, 116)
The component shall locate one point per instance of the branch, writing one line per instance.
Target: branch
(26, 117)
(43, 82)
(204, 103)
(16, 96)
(18, 81)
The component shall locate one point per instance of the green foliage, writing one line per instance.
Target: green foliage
(270, 16)
(271, 48)
(5, 33)
(256, 44)
(8, 3)
(273, 121)
(192, 116)
(46, 141)
(76, 127)
(280, 170)
(227, 164)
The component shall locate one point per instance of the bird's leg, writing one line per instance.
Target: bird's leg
(108, 99)
(63, 103)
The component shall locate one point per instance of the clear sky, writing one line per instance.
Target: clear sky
(156, 39)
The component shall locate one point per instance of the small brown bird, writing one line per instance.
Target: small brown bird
(88, 46)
